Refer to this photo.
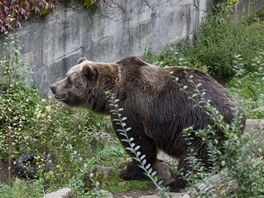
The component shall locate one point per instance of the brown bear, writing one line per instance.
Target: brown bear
(157, 106)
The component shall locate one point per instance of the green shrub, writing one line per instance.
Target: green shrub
(214, 48)
(216, 44)
(30, 124)
(18, 103)
(22, 189)
(248, 87)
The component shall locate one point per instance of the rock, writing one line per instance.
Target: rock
(173, 195)
(165, 157)
(62, 193)
(254, 125)
(259, 109)
(29, 164)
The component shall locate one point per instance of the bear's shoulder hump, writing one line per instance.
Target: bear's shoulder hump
(131, 60)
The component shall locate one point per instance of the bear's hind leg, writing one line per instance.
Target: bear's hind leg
(179, 181)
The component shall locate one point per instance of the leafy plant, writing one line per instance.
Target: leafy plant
(248, 91)
(29, 124)
(89, 3)
(12, 13)
(17, 104)
(15, 11)
(22, 189)
(215, 45)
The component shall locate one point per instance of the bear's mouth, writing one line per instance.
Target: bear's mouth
(60, 97)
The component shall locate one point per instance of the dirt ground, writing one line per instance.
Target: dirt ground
(135, 193)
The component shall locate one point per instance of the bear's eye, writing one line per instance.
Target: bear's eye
(69, 82)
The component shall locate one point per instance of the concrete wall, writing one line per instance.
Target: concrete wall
(247, 8)
(120, 28)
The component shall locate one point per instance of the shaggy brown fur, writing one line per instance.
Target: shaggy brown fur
(155, 107)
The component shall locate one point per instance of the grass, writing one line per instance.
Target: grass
(118, 185)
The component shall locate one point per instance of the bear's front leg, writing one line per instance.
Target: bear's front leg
(178, 181)
(147, 147)
(133, 172)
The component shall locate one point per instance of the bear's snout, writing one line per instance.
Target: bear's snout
(53, 90)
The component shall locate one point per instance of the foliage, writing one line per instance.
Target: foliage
(17, 105)
(244, 162)
(29, 124)
(215, 46)
(77, 139)
(12, 13)
(21, 189)
(260, 14)
(89, 3)
(117, 184)
(168, 57)
(249, 92)
(15, 11)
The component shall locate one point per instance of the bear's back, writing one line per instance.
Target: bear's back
(156, 93)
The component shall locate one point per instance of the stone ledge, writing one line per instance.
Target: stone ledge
(62, 193)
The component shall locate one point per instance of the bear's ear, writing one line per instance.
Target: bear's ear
(89, 72)
(82, 59)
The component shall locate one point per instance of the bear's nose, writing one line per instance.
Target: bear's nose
(53, 90)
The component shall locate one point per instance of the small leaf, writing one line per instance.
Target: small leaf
(137, 147)
(153, 173)
(129, 149)
(144, 162)
(148, 166)
(150, 171)
(142, 157)
(123, 124)
(125, 140)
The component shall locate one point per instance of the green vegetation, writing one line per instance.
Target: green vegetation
(20, 189)
(216, 46)
(75, 138)
(79, 141)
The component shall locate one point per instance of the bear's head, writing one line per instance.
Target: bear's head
(85, 84)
